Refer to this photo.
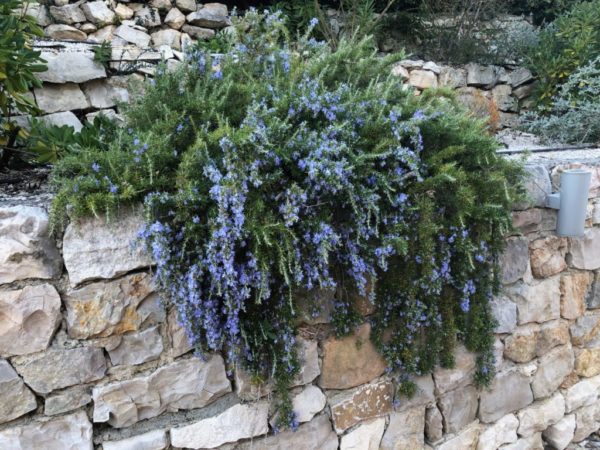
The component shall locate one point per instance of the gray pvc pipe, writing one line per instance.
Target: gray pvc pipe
(574, 190)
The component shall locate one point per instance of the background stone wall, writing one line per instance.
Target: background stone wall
(91, 358)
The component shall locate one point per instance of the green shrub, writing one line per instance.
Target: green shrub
(281, 168)
(575, 112)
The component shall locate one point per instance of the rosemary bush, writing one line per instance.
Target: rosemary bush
(283, 167)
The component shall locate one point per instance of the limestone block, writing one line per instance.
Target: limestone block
(423, 79)
(186, 5)
(64, 32)
(504, 311)
(60, 119)
(163, 5)
(434, 424)
(537, 186)
(587, 362)
(460, 375)
(60, 97)
(481, 76)
(26, 249)
(552, 370)
(465, 440)
(504, 431)
(364, 437)
(424, 394)
(238, 422)
(28, 319)
(509, 392)
(130, 34)
(148, 17)
(528, 221)
(308, 403)
(520, 76)
(529, 443)
(548, 256)
(539, 302)
(514, 260)
(540, 415)
(17, 399)
(405, 430)
(71, 67)
(453, 77)
(503, 98)
(123, 12)
(583, 393)
(97, 12)
(67, 400)
(350, 361)
(94, 248)
(593, 298)
(184, 384)
(168, 37)
(459, 408)
(114, 307)
(560, 435)
(68, 14)
(573, 292)
(57, 369)
(399, 71)
(552, 334)
(106, 93)
(585, 329)
(584, 252)
(587, 422)
(136, 348)
(210, 15)
(197, 32)
(175, 19)
(177, 336)
(363, 403)
(73, 432)
(521, 345)
(153, 440)
(106, 33)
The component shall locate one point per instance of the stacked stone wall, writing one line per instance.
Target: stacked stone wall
(90, 357)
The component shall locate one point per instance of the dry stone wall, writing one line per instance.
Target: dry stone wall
(90, 357)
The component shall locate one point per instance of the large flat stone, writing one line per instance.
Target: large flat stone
(68, 14)
(560, 435)
(405, 430)
(211, 15)
(552, 370)
(153, 440)
(62, 119)
(178, 339)
(573, 292)
(72, 432)
(106, 93)
(184, 384)
(460, 375)
(541, 415)
(57, 369)
(113, 307)
(504, 431)
(584, 252)
(67, 400)
(238, 422)
(28, 319)
(539, 302)
(366, 436)
(583, 393)
(509, 392)
(94, 248)
(465, 440)
(71, 67)
(66, 32)
(17, 399)
(97, 12)
(350, 361)
(548, 256)
(514, 260)
(136, 348)
(459, 408)
(130, 34)
(308, 403)
(26, 249)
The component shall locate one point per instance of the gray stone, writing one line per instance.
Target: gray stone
(169, 37)
(67, 400)
(26, 249)
(520, 76)
(71, 67)
(60, 97)
(64, 32)
(63, 119)
(97, 12)
(38, 12)
(68, 14)
(530, 443)
(553, 368)
(136, 348)
(136, 37)
(178, 339)
(537, 186)
(424, 394)
(163, 5)
(503, 98)
(308, 403)
(184, 384)
(88, 27)
(106, 93)
(584, 252)
(211, 15)
(481, 76)
(197, 32)
(459, 408)
(540, 415)
(434, 424)
(422, 79)
(405, 430)
(17, 400)
(309, 362)
(28, 319)
(460, 375)
(186, 5)
(587, 422)
(316, 434)
(583, 393)
(453, 77)
(123, 12)
(505, 312)
(237, 422)
(504, 431)
(366, 436)
(515, 259)
(103, 34)
(585, 329)
(57, 369)
(115, 307)
(593, 298)
(109, 114)
(399, 71)
(153, 440)
(539, 302)
(72, 432)
(148, 17)
(522, 92)
(96, 248)
(175, 19)
(560, 435)
(465, 440)
(521, 345)
(509, 392)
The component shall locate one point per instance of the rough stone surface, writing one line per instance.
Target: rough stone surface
(587, 363)
(504, 431)
(539, 302)
(184, 384)
(26, 249)
(465, 440)
(130, 34)
(541, 415)
(197, 32)
(175, 19)
(581, 394)
(424, 394)
(587, 422)
(61, 31)
(238, 422)
(123, 12)
(529, 443)
(503, 98)
(136, 348)
(67, 400)
(548, 256)
(561, 433)
(405, 430)
(97, 12)
(482, 76)
(460, 375)
(148, 17)
(308, 403)
(453, 77)
(593, 299)
(521, 345)
(584, 252)
(60, 97)
(153, 440)
(316, 434)
(422, 79)
(186, 5)
(552, 334)
(459, 408)
(106, 93)
(178, 339)
(57, 369)
(509, 392)
(434, 424)
(17, 399)
(68, 14)
(365, 437)
(350, 361)
(514, 260)
(585, 328)
(573, 291)
(72, 432)
(28, 319)
(60, 119)
(366, 402)
(504, 311)
(115, 307)
(211, 15)
(71, 67)
(93, 248)
(169, 37)
(552, 370)
(537, 186)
